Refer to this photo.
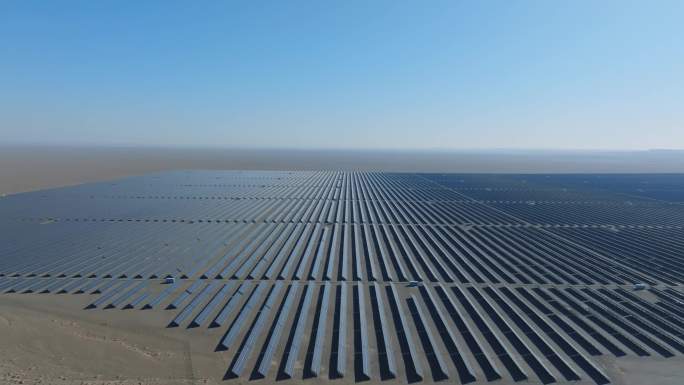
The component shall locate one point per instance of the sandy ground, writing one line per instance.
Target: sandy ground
(652, 371)
(24, 168)
(52, 340)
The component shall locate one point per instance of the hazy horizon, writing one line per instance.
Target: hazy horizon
(24, 168)
(362, 149)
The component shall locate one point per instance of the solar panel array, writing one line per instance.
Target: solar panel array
(310, 274)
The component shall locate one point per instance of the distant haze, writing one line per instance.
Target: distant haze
(24, 168)
(385, 74)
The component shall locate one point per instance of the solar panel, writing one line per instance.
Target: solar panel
(287, 363)
(254, 332)
(385, 352)
(76, 282)
(209, 308)
(91, 285)
(361, 346)
(137, 301)
(232, 303)
(54, 286)
(112, 288)
(199, 298)
(268, 349)
(314, 354)
(485, 277)
(184, 295)
(462, 366)
(126, 295)
(412, 366)
(434, 357)
(162, 296)
(242, 317)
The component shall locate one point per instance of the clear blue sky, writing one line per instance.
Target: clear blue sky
(348, 74)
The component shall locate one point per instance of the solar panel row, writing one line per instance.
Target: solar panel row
(364, 275)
